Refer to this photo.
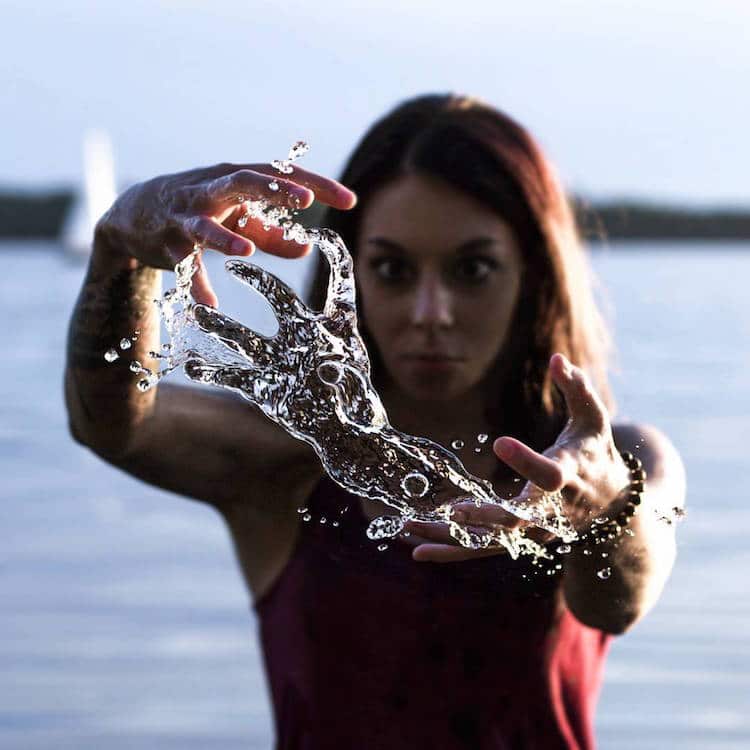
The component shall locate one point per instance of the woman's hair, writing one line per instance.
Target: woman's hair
(482, 152)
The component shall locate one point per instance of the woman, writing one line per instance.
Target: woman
(474, 300)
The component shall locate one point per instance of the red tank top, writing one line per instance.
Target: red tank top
(370, 650)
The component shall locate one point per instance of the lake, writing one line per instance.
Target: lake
(125, 623)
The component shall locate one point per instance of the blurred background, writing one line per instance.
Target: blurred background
(124, 621)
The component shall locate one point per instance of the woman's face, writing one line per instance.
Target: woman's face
(438, 276)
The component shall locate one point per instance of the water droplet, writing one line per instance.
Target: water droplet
(125, 344)
(630, 532)
(605, 554)
(477, 450)
(382, 547)
(384, 527)
(563, 549)
(415, 484)
(300, 148)
(457, 445)
(344, 509)
(240, 198)
(601, 520)
(273, 186)
(330, 372)
(604, 573)
(166, 347)
(306, 517)
(301, 510)
(111, 355)
(135, 366)
(323, 519)
(587, 552)
(482, 437)
(335, 523)
(242, 221)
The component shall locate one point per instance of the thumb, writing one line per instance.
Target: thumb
(584, 404)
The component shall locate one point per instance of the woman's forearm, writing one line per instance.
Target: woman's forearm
(613, 584)
(116, 300)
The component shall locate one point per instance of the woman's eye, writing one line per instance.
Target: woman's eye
(390, 269)
(475, 269)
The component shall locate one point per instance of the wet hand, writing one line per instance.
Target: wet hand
(160, 221)
(583, 465)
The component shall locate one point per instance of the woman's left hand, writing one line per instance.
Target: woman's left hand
(583, 465)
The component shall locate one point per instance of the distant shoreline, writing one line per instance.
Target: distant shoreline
(41, 215)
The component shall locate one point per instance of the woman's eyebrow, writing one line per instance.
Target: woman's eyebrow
(386, 244)
(472, 245)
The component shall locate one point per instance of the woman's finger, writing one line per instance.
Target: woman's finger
(442, 553)
(540, 470)
(583, 402)
(247, 184)
(272, 240)
(201, 288)
(209, 233)
(436, 532)
(326, 190)
(468, 512)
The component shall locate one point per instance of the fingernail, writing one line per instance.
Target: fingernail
(506, 450)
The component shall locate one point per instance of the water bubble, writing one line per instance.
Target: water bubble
(382, 547)
(587, 552)
(477, 450)
(630, 532)
(605, 554)
(415, 484)
(136, 334)
(323, 519)
(273, 186)
(564, 549)
(482, 437)
(385, 527)
(601, 520)
(604, 573)
(306, 517)
(147, 383)
(111, 355)
(125, 344)
(240, 198)
(301, 510)
(457, 445)
(335, 523)
(343, 510)
(135, 366)
(330, 372)
(242, 221)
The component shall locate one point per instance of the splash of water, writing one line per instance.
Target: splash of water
(312, 378)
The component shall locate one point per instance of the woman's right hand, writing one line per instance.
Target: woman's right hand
(158, 222)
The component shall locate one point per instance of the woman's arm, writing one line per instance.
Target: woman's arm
(585, 467)
(638, 565)
(201, 443)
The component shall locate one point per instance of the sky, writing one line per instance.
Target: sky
(633, 99)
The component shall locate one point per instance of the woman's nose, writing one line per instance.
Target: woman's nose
(432, 305)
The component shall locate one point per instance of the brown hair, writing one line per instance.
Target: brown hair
(484, 153)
